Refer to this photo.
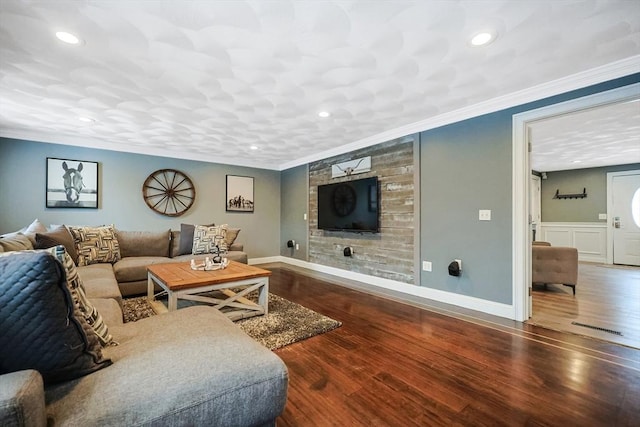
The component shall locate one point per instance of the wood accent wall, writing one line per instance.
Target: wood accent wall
(390, 253)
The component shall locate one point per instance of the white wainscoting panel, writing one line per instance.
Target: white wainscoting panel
(590, 238)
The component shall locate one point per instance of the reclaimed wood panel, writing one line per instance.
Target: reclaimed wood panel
(390, 253)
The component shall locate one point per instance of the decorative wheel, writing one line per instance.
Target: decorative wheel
(168, 192)
(344, 199)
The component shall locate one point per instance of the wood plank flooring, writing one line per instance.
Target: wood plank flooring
(392, 364)
(606, 296)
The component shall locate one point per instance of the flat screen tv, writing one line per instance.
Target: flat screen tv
(350, 206)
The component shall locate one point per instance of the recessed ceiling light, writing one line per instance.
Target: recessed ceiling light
(577, 161)
(324, 114)
(254, 147)
(86, 119)
(67, 37)
(483, 38)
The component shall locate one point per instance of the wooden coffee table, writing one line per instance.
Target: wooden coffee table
(178, 280)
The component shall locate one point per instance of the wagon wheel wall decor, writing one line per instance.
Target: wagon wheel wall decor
(168, 192)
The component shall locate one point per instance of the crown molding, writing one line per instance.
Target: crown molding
(580, 80)
(98, 144)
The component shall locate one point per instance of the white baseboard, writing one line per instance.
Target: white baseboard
(472, 303)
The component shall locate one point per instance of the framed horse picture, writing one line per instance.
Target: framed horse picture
(239, 194)
(71, 184)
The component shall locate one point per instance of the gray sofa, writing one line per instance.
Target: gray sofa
(138, 249)
(185, 368)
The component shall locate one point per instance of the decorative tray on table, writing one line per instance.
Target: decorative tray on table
(209, 264)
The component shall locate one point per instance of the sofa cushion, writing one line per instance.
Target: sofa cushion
(96, 244)
(110, 311)
(74, 283)
(192, 366)
(58, 236)
(99, 281)
(143, 243)
(132, 269)
(42, 329)
(15, 242)
(207, 240)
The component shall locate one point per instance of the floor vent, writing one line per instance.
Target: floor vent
(611, 331)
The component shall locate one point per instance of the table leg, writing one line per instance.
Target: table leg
(263, 296)
(150, 288)
(172, 301)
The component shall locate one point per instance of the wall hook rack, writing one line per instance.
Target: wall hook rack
(571, 196)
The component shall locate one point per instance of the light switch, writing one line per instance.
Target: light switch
(426, 265)
(484, 215)
(304, 217)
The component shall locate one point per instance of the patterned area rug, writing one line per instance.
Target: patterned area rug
(286, 323)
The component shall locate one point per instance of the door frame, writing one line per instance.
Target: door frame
(521, 172)
(610, 176)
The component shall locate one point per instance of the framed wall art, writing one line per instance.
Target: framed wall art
(71, 184)
(239, 193)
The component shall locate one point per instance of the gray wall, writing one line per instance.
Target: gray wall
(294, 190)
(573, 181)
(466, 167)
(22, 193)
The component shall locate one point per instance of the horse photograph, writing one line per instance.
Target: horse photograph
(239, 193)
(71, 184)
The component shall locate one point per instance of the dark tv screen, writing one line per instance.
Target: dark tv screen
(350, 206)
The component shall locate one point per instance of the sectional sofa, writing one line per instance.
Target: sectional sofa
(185, 368)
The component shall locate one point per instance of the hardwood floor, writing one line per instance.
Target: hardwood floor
(393, 364)
(607, 297)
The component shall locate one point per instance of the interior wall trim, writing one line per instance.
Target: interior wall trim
(378, 285)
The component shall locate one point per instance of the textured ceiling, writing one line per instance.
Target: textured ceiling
(208, 79)
(602, 136)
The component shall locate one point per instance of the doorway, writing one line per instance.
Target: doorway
(521, 184)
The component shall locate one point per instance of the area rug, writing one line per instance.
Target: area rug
(286, 323)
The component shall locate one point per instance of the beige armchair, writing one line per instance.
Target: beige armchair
(554, 264)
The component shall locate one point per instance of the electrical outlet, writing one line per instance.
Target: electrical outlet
(602, 216)
(426, 265)
(484, 215)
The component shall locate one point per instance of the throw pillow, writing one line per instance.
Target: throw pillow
(232, 235)
(76, 287)
(15, 242)
(57, 236)
(96, 244)
(42, 329)
(186, 238)
(205, 239)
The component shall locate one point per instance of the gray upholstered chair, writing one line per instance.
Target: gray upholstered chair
(554, 264)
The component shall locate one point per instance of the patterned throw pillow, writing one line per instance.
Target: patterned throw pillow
(205, 239)
(96, 244)
(76, 287)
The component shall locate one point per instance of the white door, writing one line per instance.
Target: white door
(626, 219)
